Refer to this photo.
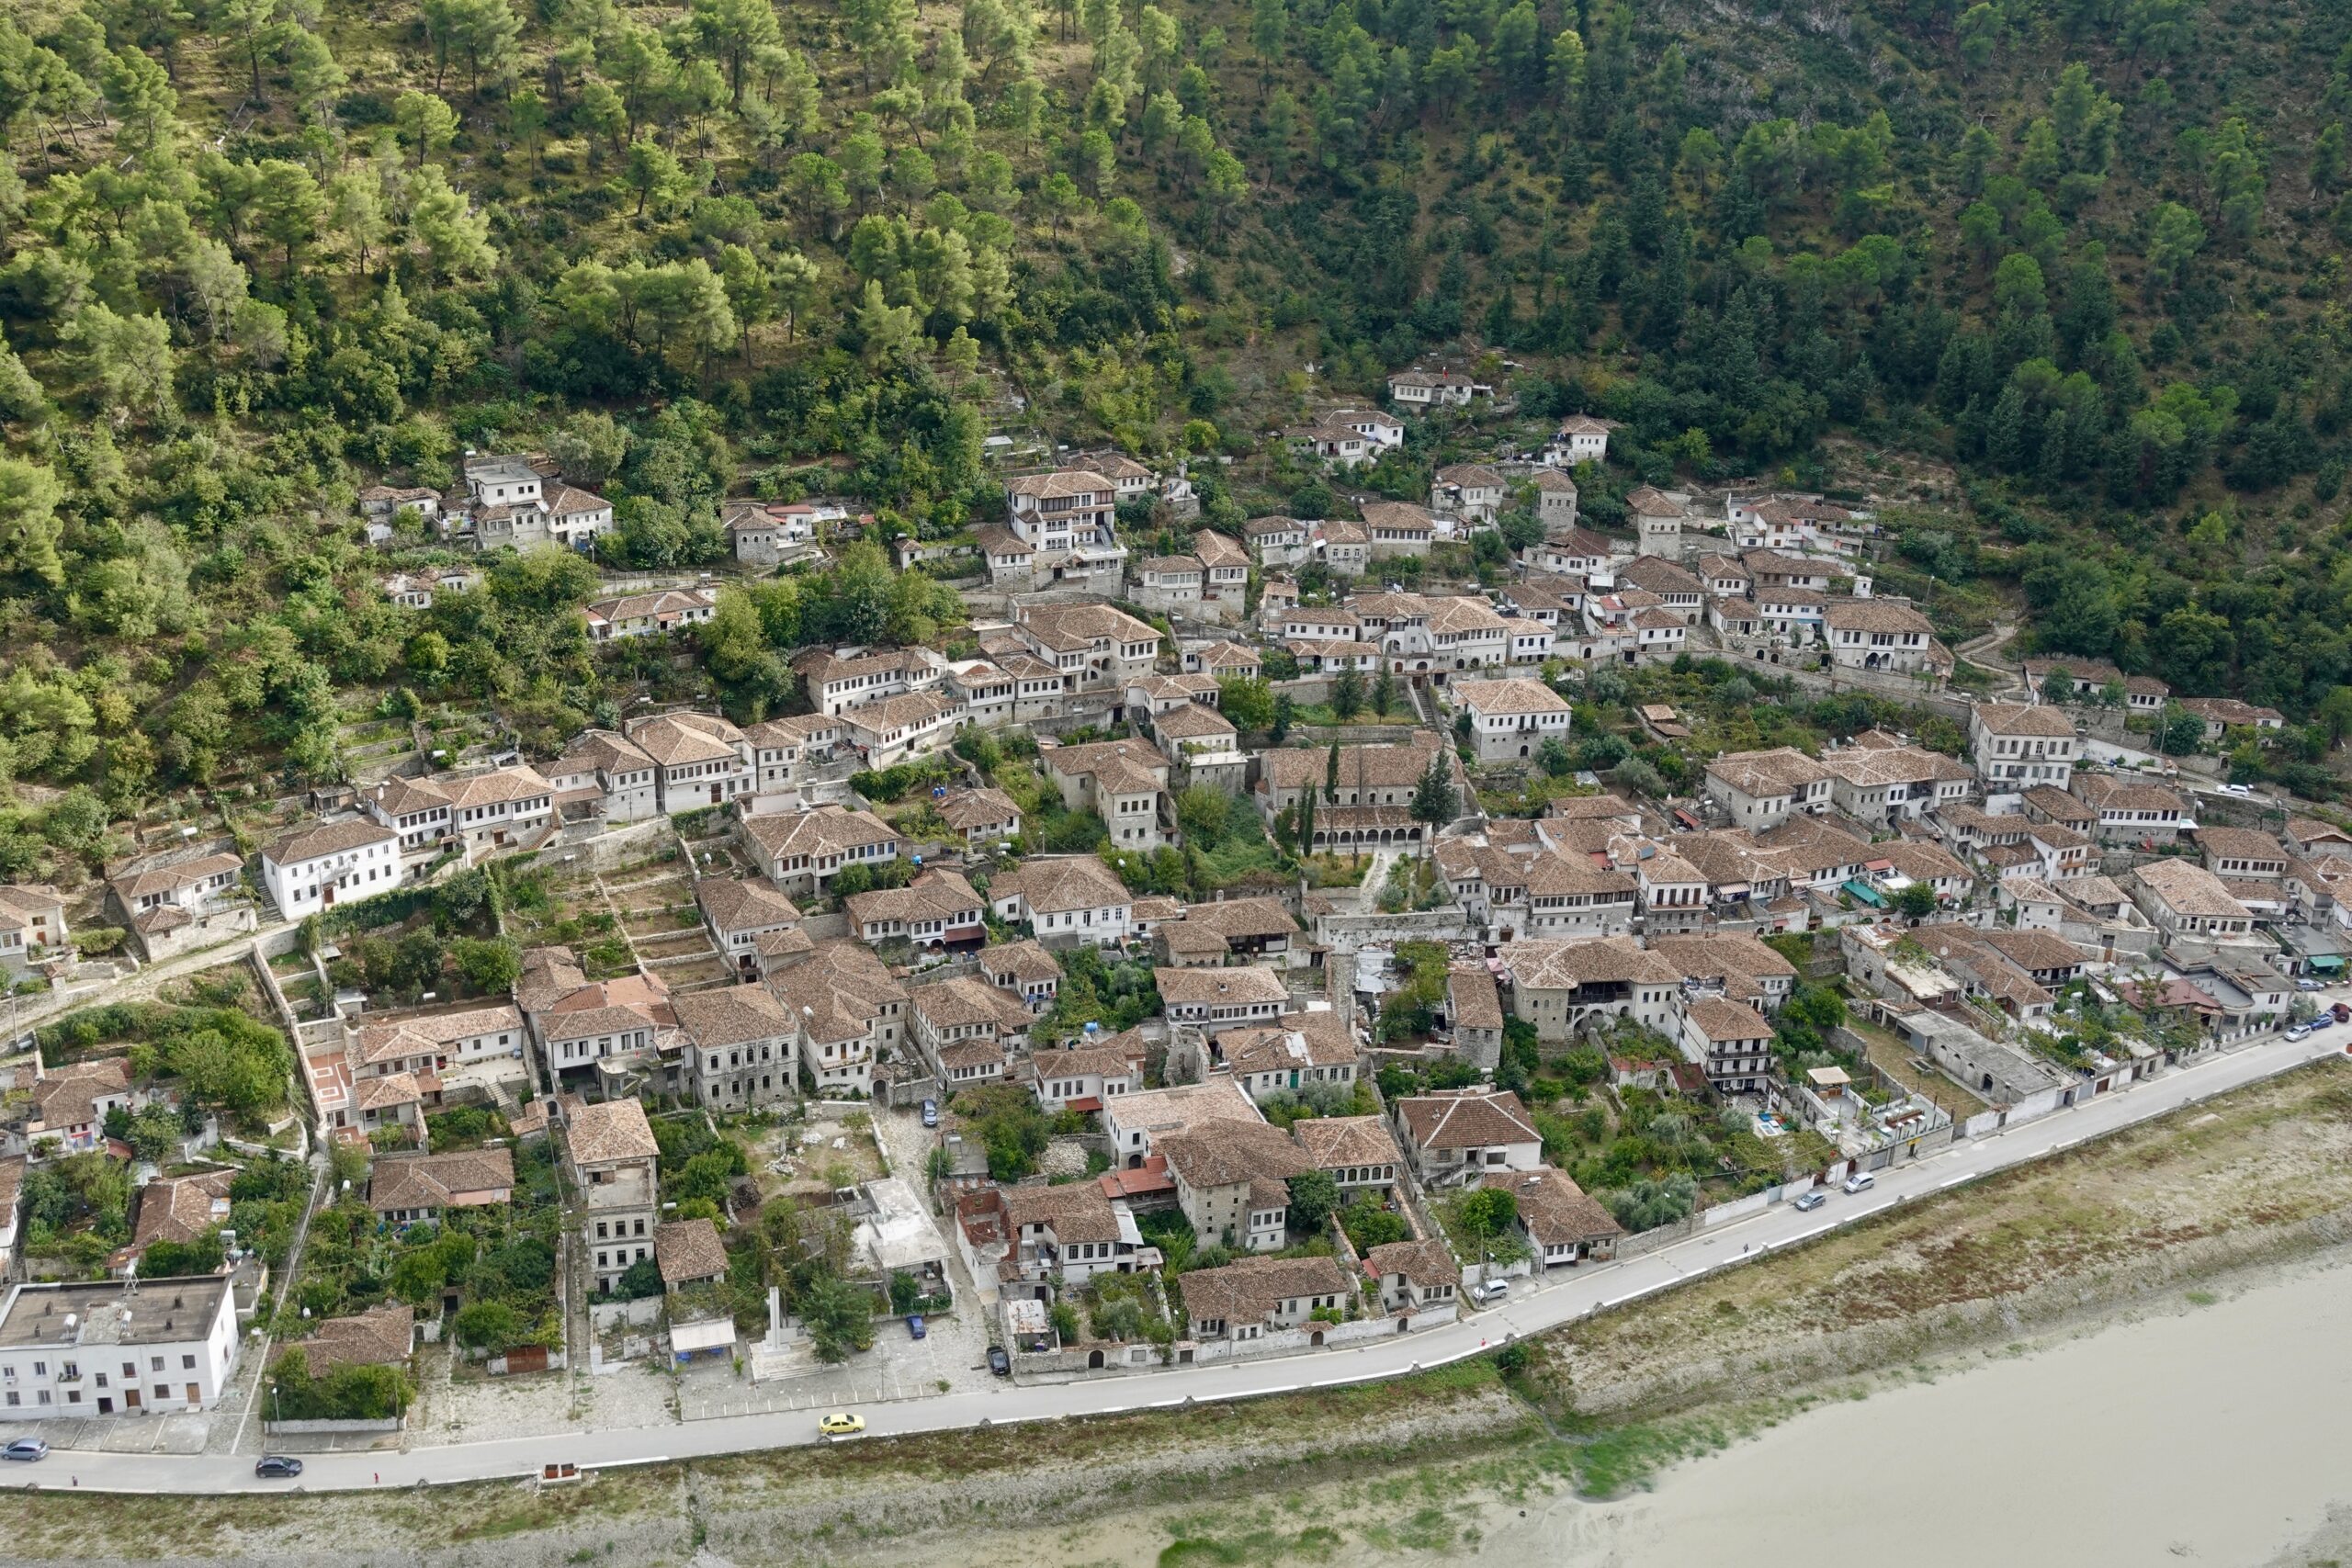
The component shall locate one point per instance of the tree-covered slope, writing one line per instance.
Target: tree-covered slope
(259, 254)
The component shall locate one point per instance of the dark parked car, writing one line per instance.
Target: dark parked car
(1812, 1201)
(915, 1329)
(26, 1449)
(999, 1363)
(277, 1466)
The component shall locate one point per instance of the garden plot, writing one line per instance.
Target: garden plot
(821, 1154)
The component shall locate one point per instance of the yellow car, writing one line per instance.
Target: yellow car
(841, 1423)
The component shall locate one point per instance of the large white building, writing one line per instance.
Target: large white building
(326, 863)
(111, 1348)
(1875, 634)
(1511, 718)
(2018, 746)
(513, 506)
(1068, 900)
(1095, 646)
(1763, 789)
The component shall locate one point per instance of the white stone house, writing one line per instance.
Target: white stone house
(314, 868)
(1511, 718)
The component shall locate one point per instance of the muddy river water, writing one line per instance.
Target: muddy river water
(2222, 1434)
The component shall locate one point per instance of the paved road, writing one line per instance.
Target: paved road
(1583, 1291)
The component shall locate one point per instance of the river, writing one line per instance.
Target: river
(2220, 1434)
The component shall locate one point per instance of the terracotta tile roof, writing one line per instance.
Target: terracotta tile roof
(2060, 806)
(1220, 987)
(1517, 695)
(1239, 919)
(822, 831)
(674, 739)
(68, 1096)
(1383, 766)
(1335, 1142)
(1658, 575)
(1398, 515)
(1462, 614)
(2021, 719)
(965, 809)
(322, 839)
(1781, 770)
(181, 1209)
(2230, 711)
(688, 1250)
(382, 1336)
(460, 1178)
(611, 1131)
(744, 903)
(1061, 482)
(415, 1036)
(1250, 1289)
(1075, 1211)
(1108, 1060)
(2189, 889)
(1061, 884)
(1466, 1119)
(1923, 861)
(1216, 549)
(1423, 1263)
(732, 1015)
(964, 1001)
(1558, 964)
(937, 893)
(2238, 843)
(1555, 1209)
(1717, 1018)
(1476, 1003)
(1878, 615)
(1022, 959)
(1869, 767)
(1071, 627)
(134, 885)
(2115, 791)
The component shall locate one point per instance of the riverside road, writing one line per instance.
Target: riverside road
(1585, 1290)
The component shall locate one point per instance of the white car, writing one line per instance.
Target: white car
(1492, 1291)
(2244, 792)
(2301, 1031)
(1861, 1181)
(2308, 984)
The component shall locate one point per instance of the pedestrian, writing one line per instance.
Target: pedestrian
(77, 1480)
(378, 1476)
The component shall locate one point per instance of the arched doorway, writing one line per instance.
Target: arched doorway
(1095, 1360)
(1316, 1339)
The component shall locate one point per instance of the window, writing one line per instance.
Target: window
(41, 1369)
(188, 1364)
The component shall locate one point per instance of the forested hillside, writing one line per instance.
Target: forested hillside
(262, 252)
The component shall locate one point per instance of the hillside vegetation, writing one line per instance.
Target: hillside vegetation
(2087, 257)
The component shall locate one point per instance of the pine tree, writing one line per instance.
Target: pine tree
(1434, 798)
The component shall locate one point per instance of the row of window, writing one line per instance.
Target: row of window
(69, 1371)
(74, 1396)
